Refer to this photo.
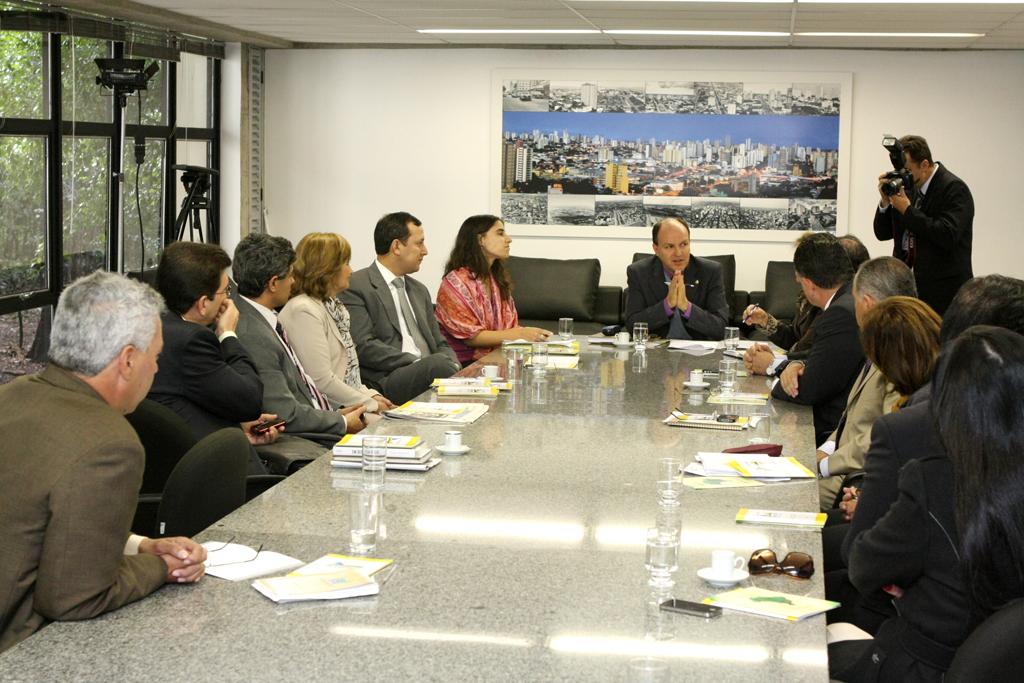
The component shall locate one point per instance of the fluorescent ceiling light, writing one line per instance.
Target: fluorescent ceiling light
(660, 32)
(869, 34)
(510, 30)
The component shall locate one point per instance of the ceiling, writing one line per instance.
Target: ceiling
(393, 23)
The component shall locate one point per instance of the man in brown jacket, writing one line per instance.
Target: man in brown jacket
(71, 466)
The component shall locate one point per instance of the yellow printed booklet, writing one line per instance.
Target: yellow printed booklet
(771, 603)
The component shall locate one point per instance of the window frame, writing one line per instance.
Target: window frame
(55, 128)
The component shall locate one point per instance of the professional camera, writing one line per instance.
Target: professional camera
(900, 178)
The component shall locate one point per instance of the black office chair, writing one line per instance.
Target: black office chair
(166, 438)
(992, 653)
(208, 483)
(780, 290)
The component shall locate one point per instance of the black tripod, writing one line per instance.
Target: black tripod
(196, 180)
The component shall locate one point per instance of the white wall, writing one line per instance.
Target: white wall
(354, 134)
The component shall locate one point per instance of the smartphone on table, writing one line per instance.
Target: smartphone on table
(696, 609)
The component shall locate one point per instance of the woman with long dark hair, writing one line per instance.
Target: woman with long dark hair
(951, 549)
(475, 309)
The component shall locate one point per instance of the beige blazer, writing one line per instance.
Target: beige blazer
(316, 340)
(870, 397)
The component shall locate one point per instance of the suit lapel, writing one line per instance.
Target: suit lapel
(660, 289)
(383, 290)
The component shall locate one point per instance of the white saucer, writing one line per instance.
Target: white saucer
(696, 385)
(622, 346)
(452, 451)
(721, 581)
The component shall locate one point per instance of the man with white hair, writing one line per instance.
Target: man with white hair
(71, 466)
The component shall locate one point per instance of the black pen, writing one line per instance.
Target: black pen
(751, 308)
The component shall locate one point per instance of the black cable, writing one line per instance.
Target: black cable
(140, 156)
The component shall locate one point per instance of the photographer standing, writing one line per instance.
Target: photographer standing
(932, 231)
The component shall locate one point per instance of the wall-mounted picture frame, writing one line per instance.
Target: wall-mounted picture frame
(740, 156)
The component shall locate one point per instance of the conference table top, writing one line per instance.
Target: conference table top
(520, 560)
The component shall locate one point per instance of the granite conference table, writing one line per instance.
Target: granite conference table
(521, 560)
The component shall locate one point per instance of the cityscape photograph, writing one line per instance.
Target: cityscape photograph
(723, 155)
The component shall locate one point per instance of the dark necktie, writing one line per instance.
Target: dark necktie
(676, 327)
(317, 396)
(410, 319)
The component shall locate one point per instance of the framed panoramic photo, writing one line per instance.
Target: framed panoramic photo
(740, 156)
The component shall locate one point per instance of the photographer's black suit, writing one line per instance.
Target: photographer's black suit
(942, 227)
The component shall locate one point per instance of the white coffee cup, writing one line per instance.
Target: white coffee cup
(696, 376)
(724, 563)
(452, 440)
(490, 371)
(622, 338)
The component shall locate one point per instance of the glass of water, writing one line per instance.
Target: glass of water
(375, 456)
(662, 556)
(539, 357)
(364, 520)
(640, 336)
(727, 375)
(565, 328)
(732, 338)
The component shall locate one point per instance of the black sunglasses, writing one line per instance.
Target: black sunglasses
(797, 565)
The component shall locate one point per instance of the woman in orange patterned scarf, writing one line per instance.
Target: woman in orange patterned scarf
(475, 309)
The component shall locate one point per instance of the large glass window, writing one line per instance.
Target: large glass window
(154, 98)
(82, 99)
(194, 85)
(86, 209)
(23, 226)
(22, 84)
(24, 340)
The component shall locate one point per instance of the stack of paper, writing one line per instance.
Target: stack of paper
(556, 347)
(447, 413)
(739, 398)
(398, 446)
(560, 362)
(771, 603)
(414, 459)
(237, 562)
(753, 465)
(333, 562)
(694, 348)
(341, 583)
(705, 421)
(813, 520)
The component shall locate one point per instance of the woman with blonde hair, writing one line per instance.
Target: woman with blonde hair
(317, 323)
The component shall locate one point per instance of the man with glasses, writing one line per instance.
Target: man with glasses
(206, 376)
(263, 273)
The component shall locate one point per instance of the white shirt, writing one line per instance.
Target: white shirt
(408, 345)
(271, 317)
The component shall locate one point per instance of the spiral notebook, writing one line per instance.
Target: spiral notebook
(731, 423)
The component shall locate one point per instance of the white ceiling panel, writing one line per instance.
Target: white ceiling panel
(390, 22)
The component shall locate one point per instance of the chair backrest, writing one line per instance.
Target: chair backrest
(207, 484)
(165, 437)
(548, 289)
(992, 652)
(780, 290)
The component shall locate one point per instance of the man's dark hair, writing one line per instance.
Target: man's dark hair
(856, 250)
(189, 270)
(917, 148)
(391, 227)
(995, 300)
(657, 227)
(820, 258)
(258, 258)
(883, 277)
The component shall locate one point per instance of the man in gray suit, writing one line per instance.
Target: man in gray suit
(401, 349)
(263, 274)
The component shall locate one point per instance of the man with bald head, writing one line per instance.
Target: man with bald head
(678, 295)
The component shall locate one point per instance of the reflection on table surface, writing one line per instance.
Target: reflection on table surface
(521, 560)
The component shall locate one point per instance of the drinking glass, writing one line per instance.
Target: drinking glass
(662, 556)
(364, 520)
(539, 357)
(668, 492)
(565, 328)
(375, 454)
(727, 375)
(640, 336)
(760, 427)
(515, 359)
(669, 468)
(732, 338)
